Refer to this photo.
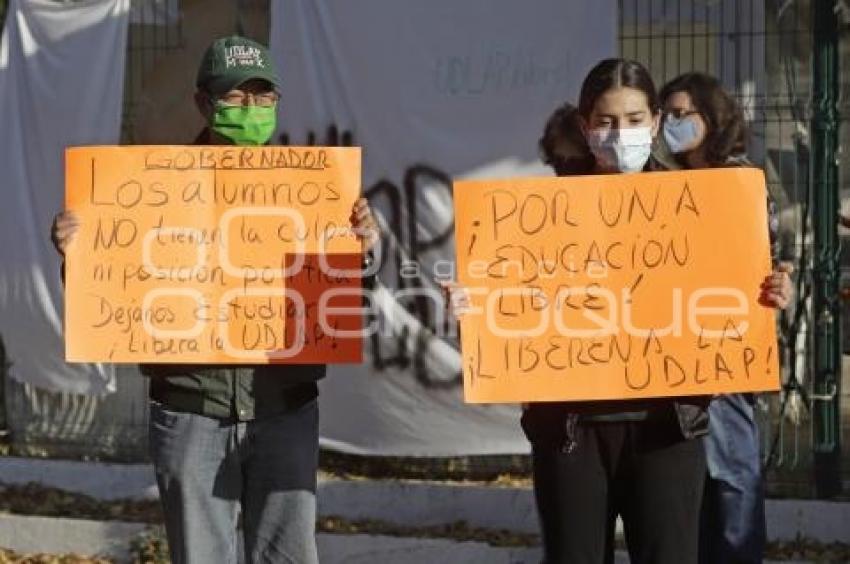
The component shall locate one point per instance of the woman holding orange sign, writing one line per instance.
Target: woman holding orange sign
(640, 459)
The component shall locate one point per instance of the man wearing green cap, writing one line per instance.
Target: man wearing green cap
(231, 438)
(235, 72)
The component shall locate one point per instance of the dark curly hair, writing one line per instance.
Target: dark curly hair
(726, 129)
(563, 146)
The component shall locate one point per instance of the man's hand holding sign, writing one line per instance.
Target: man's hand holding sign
(616, 287)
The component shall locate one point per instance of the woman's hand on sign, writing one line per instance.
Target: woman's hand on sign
(457, 297)
(363, 223)
(64, 228)
(776, 290)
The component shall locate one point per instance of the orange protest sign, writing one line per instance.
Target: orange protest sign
(615, 286)
(213, 255)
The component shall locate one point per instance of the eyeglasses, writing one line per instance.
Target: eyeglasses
(239, 98)
(678, 113)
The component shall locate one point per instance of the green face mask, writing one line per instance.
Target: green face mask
(245, 125)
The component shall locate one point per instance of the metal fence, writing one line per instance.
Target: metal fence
(768, 53)
(156, 29)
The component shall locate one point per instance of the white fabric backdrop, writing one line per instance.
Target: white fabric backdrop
(431, 90)
(61, 84)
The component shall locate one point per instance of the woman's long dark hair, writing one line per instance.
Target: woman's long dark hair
(726, 134)
(616, 73)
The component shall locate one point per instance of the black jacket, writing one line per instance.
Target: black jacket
(554, 423)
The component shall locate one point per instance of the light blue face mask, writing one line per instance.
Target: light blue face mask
(681, 134)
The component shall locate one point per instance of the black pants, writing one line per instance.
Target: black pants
(644, 471)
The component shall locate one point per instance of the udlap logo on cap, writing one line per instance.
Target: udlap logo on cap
(230, 61)
(243, 56)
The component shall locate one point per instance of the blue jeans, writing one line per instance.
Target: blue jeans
(733, 520)
(208, 469)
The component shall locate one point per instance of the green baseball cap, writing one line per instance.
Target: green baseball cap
(230, 61)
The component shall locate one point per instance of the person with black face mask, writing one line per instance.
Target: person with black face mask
(704, 128)
(563, 146)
